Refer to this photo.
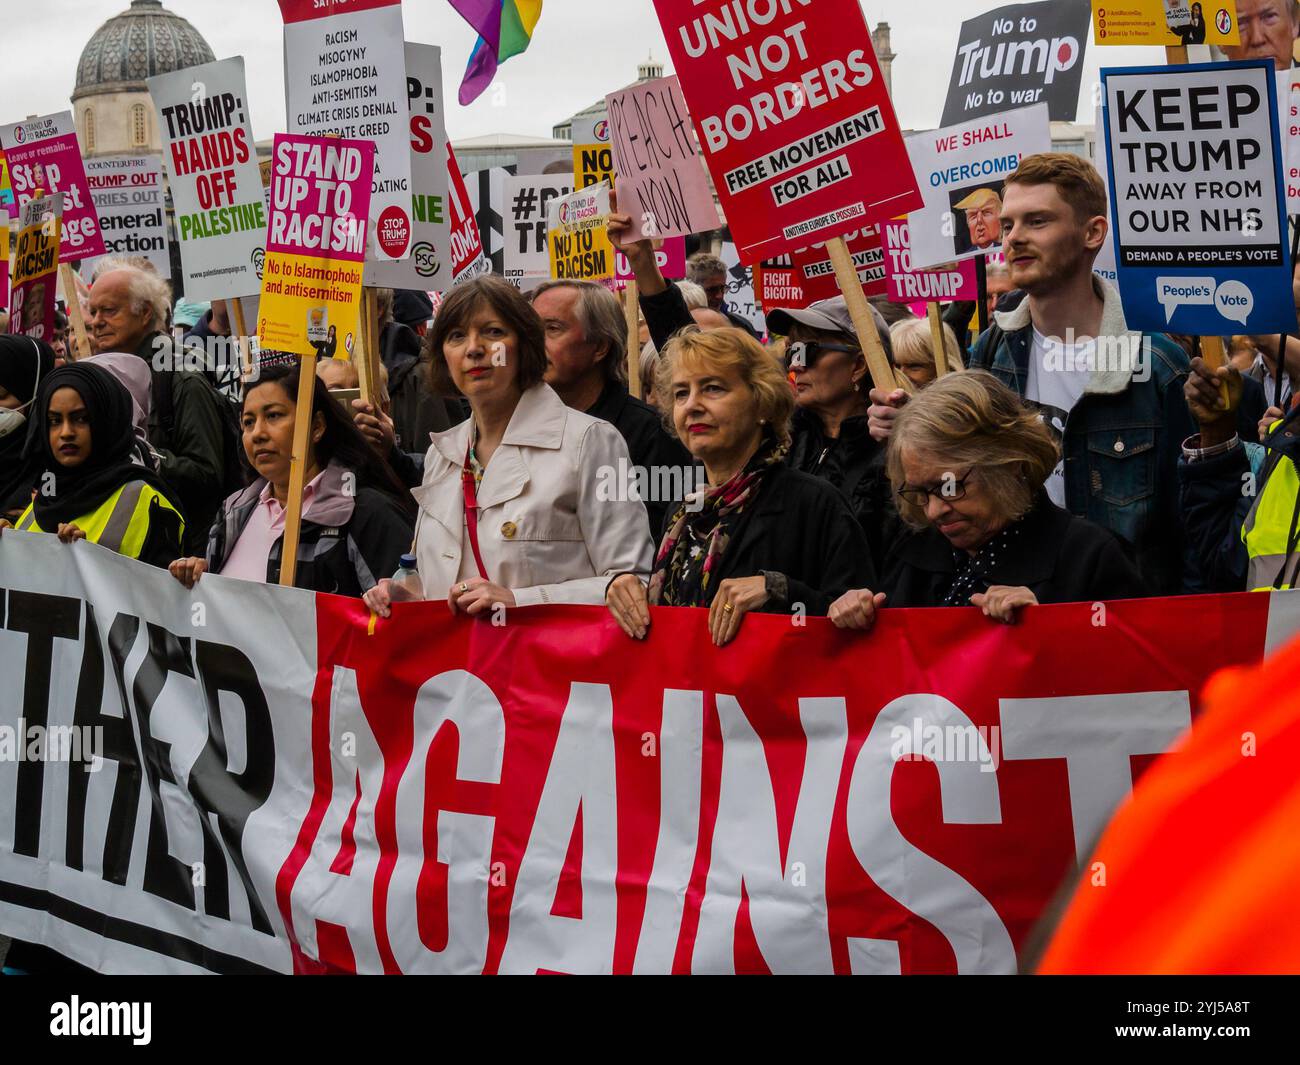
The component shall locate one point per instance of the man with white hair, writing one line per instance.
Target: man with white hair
(128, 314)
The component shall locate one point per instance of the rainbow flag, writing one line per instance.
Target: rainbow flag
(505, 28)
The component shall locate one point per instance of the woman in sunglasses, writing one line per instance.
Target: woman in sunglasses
(968, 462)
(829, 434)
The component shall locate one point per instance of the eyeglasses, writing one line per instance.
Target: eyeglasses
(802, 354)
(948, 489)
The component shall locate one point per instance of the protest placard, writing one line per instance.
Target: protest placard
(129, 198)
(315, 245)
(1169, 23)
(429, 264)
(1104, 265)
(593, 159)
(793, 116)
(578, 237)
(4, 259)
(345, 75)
(1019, 55)
(213, 173)
(487, 199)
(816, 272)
(528, 200)
(467, 258)
(740, 299)
(8, 206)
(962, 170)
(904, 284)
(776, 284)
(661, 180)
(44, 156)
(36, 267)
(1198, 198)
(1288, 102)
(670, 257)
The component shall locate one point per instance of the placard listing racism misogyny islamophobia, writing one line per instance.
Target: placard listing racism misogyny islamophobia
(1198, 198)
(794, 118)
(429, 265)
(215, 181)
(345, 75)
(962, 170)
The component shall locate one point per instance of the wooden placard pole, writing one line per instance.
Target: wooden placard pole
(297, 470)
(78, 320)
(883, 376)
(936, 339)
(632, 314)
(367, 353)
(241, 337)
(1212, 350)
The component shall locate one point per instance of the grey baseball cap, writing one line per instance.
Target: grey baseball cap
(831, 315)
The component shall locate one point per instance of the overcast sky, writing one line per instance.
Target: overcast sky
(582, 49)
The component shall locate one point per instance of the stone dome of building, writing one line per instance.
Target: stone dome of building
(144, 40)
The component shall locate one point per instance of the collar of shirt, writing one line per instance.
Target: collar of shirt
(275, 510)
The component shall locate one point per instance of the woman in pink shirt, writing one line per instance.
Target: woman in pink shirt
(356, 520)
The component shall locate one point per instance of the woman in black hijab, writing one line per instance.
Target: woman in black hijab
(24, 363)
(89, 488)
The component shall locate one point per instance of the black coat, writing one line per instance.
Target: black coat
(855, 464)
(1058, 557)
(649, 446)
(802, 528)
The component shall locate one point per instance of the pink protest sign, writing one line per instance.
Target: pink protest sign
(671, 259)
(956, 281)
(315, 244)
(661, 180)
(43, 154)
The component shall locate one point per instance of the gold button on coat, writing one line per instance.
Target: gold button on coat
(509, 529)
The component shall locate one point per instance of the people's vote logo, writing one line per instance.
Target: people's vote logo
(1232, 299)
(1223, 21)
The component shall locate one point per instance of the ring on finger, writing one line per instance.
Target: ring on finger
(463, 589)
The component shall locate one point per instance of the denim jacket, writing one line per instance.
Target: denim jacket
(1123, 438)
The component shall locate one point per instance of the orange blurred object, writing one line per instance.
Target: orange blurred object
(1202, 865)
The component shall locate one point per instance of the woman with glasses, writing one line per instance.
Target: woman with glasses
(759, 536)
(969, 463)
(829, 434)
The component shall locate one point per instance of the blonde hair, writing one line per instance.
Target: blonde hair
(914, 346)
(973, 420)
(729, 349)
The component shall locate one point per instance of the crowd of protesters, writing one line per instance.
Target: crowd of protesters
(1055, 456)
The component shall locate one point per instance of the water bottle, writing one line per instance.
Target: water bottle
(407, 578)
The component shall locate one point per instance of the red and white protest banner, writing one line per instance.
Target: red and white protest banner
(956, 281)
(776, 284)
(467, 258)
(816, 273)
(43, 154)
(215, 180)
(285, 793)
(794, 118)
(345, 76)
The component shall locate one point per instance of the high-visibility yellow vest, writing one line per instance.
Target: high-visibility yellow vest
(121, 523)
(1270, 527)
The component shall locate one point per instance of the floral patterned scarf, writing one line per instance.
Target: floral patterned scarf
(690, 554)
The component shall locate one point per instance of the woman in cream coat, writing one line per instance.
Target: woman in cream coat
(529, 474)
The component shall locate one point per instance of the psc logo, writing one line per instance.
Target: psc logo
(425, 260)
(1223, 20)
(259, 257)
